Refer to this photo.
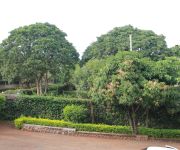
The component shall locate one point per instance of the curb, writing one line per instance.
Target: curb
(74, 132)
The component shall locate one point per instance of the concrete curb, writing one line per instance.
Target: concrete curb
(74, 132)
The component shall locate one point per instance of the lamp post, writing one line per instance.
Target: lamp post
(130, 42)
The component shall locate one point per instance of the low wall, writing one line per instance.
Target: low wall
(72, 131)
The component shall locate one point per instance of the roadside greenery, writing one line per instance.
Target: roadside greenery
(115, 86)
(40, 106)
(157, 133)
(2, 102)
(131, 81)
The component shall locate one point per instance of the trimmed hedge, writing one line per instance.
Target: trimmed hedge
(40, 106)
(79, 126)
(157, 133)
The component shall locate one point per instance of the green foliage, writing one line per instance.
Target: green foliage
(77, 94)
(19, 91)
(31, 52)
(157, 133)
(83, 77)
(118, 40)
(76, 114)
(60, 89)
(39, 106)
(2, 102)
(80, 127)
(137, 83)
(160, 133)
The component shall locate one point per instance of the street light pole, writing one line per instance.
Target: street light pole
(130, 42)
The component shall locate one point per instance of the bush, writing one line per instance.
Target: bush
(76, 114)
(157, 133)
(40, 106)
(2, 102)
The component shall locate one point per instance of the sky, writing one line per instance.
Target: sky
(84, 20)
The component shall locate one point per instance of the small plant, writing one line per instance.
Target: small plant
(74, 113)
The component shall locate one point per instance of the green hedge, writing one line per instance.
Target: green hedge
(39, 106)
(79, 126)
(157, 133)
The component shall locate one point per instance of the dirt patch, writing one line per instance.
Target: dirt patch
(13, 139)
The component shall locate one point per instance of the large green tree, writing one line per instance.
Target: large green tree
(32, 52)
(136, 83)
(118, 40)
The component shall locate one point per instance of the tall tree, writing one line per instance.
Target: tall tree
(118, 40)
(135, 83)
(31, 52)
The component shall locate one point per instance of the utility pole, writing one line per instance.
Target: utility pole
(130, 42)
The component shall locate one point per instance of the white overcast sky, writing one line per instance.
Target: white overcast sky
(84, 20)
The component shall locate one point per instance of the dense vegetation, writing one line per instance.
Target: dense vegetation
(118, 40)
(40, 106)
(138, 88)
(33, 53)
(157, 133)
(75, 113)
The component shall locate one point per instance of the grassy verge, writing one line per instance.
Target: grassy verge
(157, 133)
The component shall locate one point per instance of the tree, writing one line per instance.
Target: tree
(118, 40)
(83, 76)
(134, 82)
(31, 52)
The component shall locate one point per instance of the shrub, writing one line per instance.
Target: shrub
(75, 113)
(157, 133)
(2, 102)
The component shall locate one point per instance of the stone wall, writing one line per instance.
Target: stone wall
(72, 131)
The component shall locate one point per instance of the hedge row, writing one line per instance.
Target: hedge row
(79, 126)
(157, 133)
(39, 106)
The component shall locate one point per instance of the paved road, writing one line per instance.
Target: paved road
(13, 139)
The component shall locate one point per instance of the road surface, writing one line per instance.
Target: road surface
(13, 139)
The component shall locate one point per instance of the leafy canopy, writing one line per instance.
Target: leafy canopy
(31, 51)
(118, 40)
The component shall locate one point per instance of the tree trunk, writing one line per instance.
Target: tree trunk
(46, 83)
(133, 120)
(92, 112)
(37, 86)
(147, 118)
(40, 88)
